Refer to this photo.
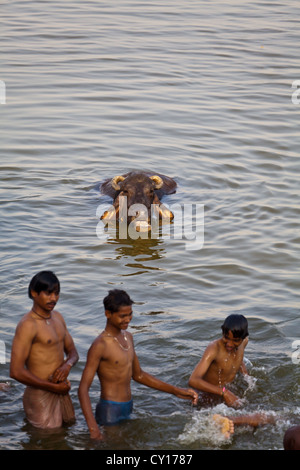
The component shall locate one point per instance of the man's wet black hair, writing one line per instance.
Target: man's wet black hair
(237, 324)
(115, 299)
(43, 281)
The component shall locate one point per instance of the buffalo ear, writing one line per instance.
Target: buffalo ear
(158, 181)
(115, 182)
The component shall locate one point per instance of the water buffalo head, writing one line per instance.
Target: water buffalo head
(134, 197)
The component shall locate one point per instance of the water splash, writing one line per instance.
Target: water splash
(202, 429)
(251, 382)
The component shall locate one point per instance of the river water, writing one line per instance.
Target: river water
(202, 91)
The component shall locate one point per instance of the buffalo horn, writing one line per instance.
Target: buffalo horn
(157, 180)
(115, 181)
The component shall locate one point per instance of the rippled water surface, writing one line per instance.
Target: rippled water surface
(203, 92)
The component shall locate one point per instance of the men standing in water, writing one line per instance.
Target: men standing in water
(220, 363)
(37, 358)
(113, 358)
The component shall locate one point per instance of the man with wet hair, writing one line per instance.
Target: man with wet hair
(237, 324)
(112, 357)
(43, 353)
(222, 360)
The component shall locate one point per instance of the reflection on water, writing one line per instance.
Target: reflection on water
(141, 255)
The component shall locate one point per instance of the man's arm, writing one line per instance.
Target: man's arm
(92, 364)
(243, 368)
(72, 357)
(144, 378)
(196, 379)
(24, 336)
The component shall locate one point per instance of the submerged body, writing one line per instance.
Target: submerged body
(115, 369)
(218, 367)
(112, 357)
(137, 196)
(38, 360)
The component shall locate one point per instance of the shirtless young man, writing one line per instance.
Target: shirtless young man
(222, 360)
(38, 356)
(220, 363)
(113, 358)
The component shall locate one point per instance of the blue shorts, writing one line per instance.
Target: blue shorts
(112, 412)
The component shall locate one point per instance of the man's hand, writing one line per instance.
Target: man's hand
(96, 434)
(187, 394)
(61, 388)
(231, 399)
(61, 373)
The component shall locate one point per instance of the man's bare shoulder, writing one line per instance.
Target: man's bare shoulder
(99, 343)
(210, 352)
(100, 339)
(129, 336)
(213, 347)
(27, 321)
(26, 329)
(56, 315)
